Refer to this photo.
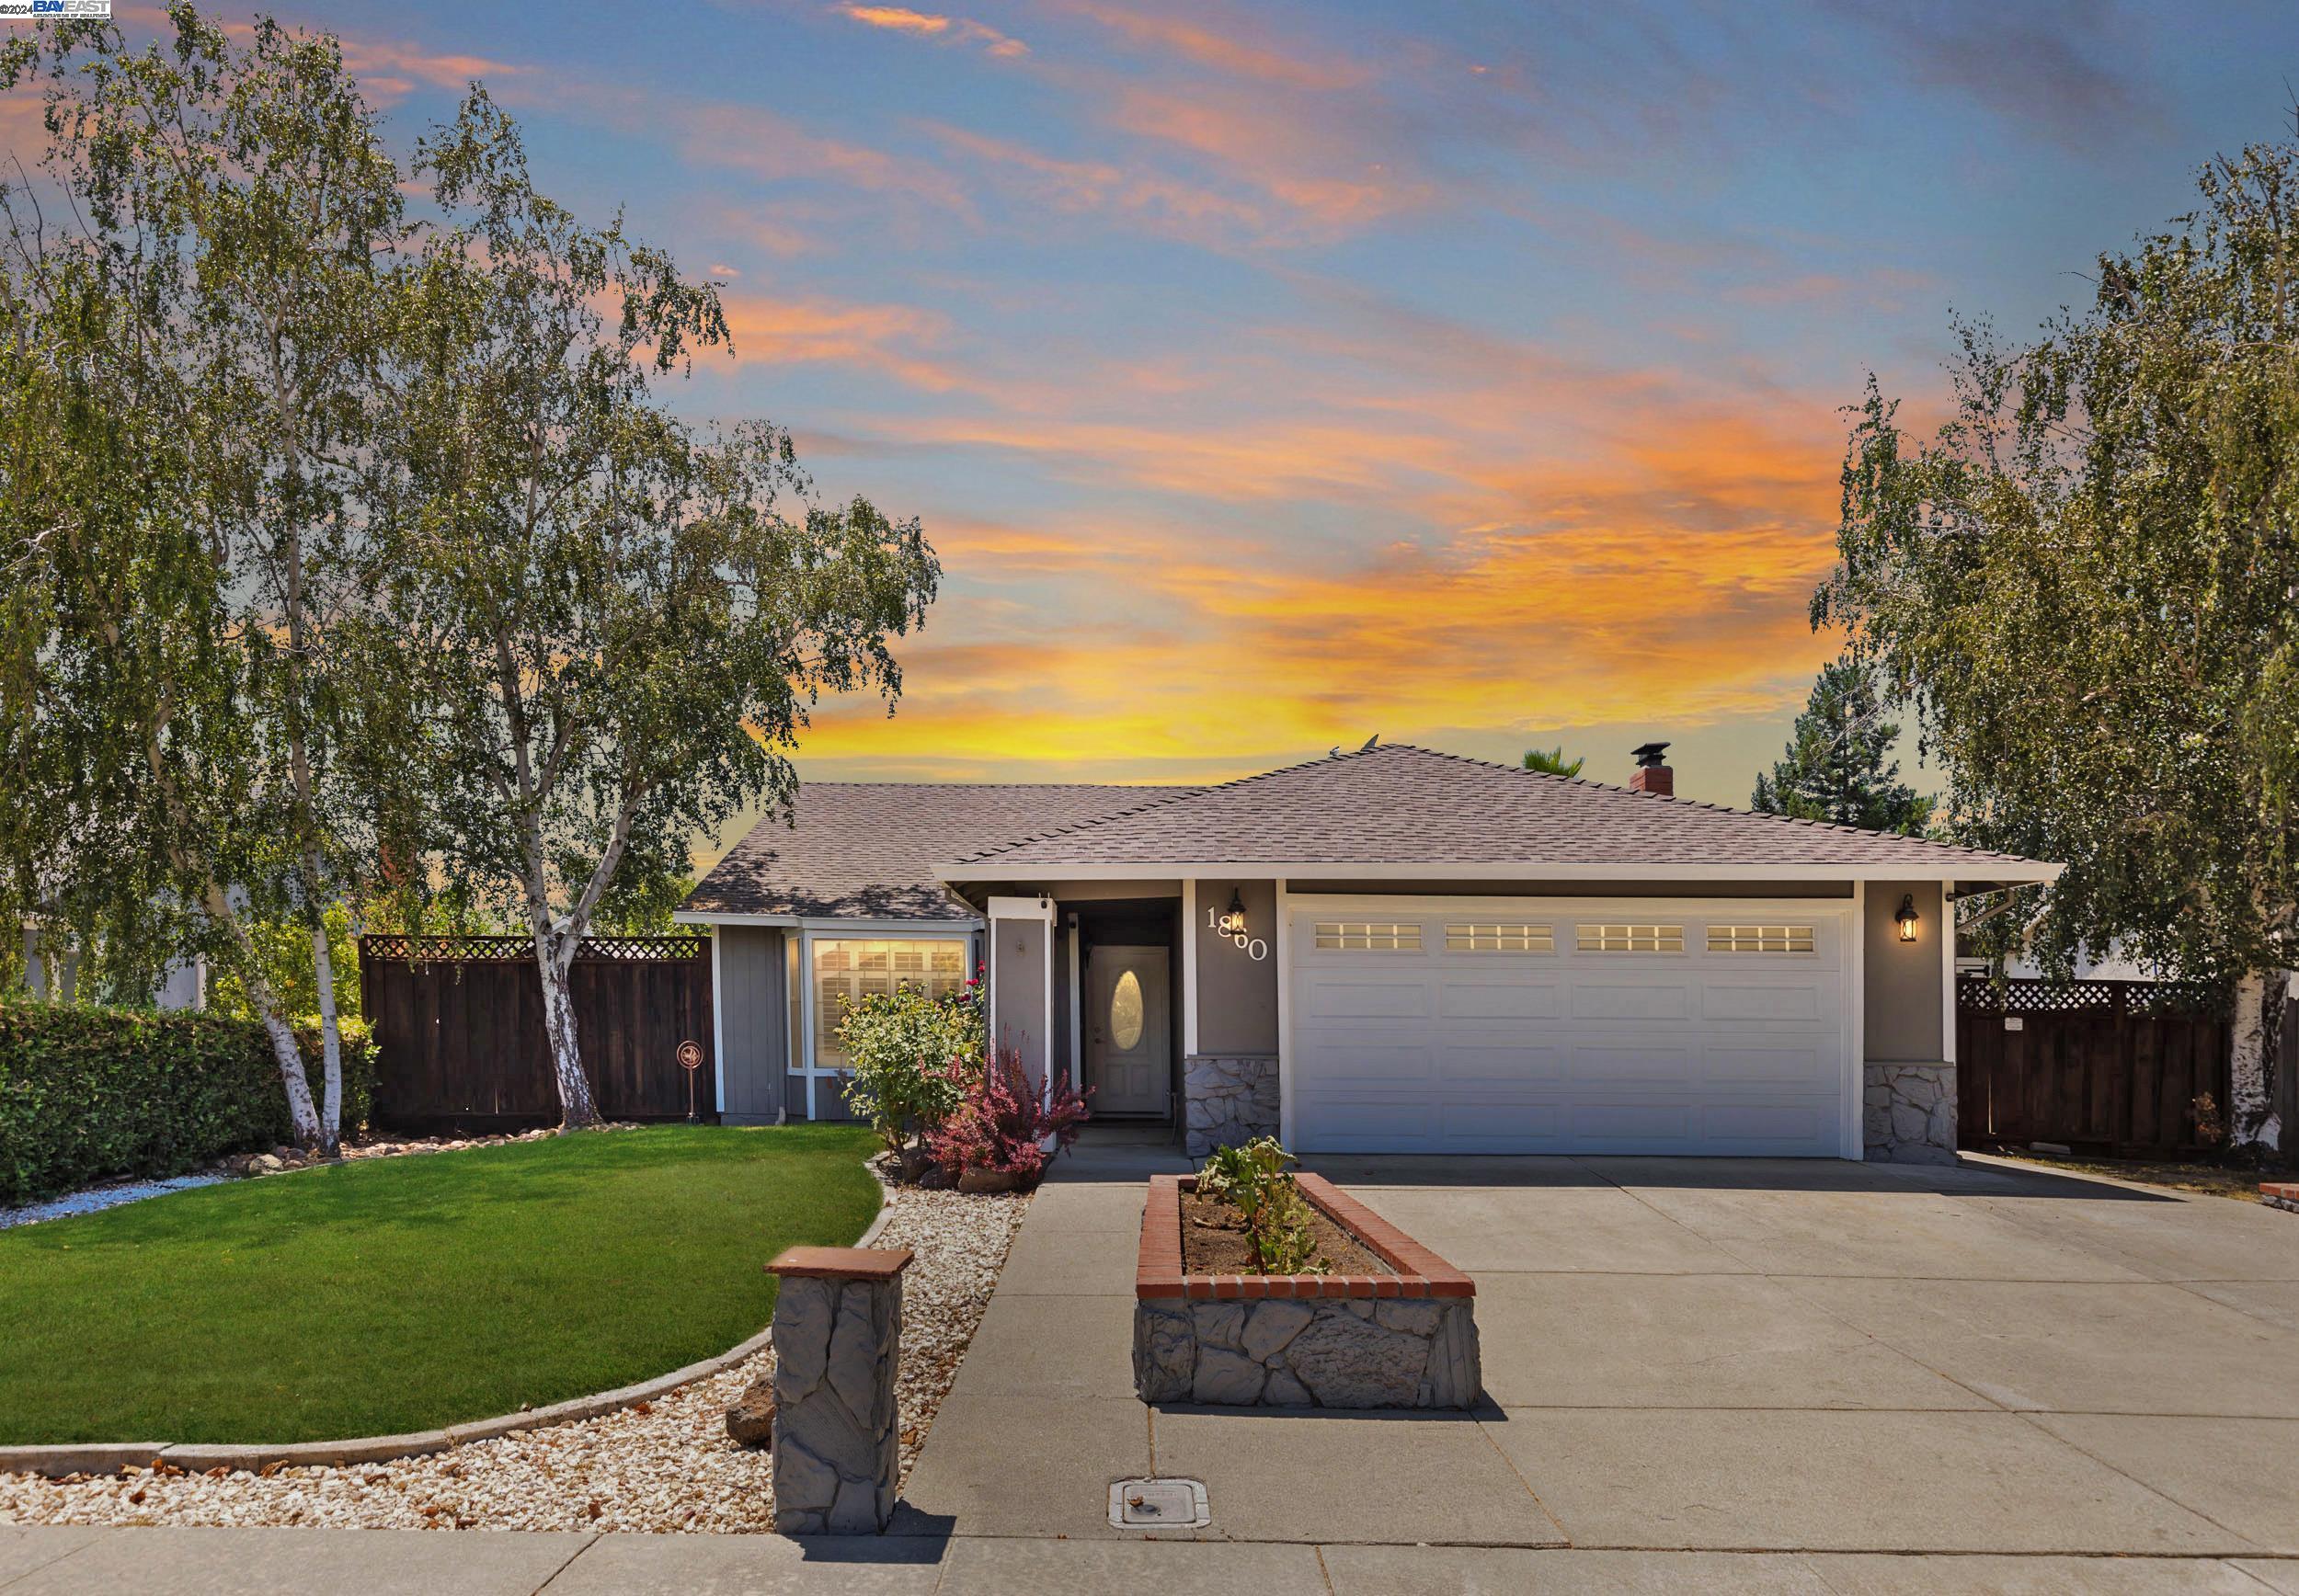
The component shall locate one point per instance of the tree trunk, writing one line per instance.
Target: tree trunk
(575, 1109)
(2250, 1118)
(302, 1118)
(300, 1115)
(330, 1042)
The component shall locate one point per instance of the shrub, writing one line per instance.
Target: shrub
(90, 1094)
(1002, 1122)
(1254, 1181)
(912, 1056)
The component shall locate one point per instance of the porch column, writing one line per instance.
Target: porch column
(1022, 980)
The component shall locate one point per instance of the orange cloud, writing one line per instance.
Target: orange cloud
(784, 329)
(1312, 166)
(1658, 578)
(1098, 186)
(752, 139)
(22, 132)
(1229, 52)
(902, 19)
(389, 70)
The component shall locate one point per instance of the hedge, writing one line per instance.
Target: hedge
(91, 1094)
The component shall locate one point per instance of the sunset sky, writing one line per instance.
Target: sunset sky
(1272, 376)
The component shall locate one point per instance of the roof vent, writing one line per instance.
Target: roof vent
(1653, 774)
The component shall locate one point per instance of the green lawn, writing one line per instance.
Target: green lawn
(402, 1293)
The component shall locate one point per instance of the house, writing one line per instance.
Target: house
(183, 984)
(1388, 950)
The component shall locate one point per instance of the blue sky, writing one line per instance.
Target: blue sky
(1273, 376)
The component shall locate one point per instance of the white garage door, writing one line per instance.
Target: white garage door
(1531, 1026)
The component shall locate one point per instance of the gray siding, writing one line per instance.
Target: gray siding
(1902, 1016)
(1237, 994)
(754, 1023)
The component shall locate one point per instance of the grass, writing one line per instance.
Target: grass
(2208, 1179)
(403, 1293)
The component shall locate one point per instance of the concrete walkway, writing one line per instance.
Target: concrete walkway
(1717, 1376)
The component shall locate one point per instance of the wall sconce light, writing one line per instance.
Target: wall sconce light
(1233, 923)
(1906, 917)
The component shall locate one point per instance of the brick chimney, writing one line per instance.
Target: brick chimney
(1653, 774)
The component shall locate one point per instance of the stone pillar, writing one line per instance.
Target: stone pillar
(838, 1351)
(1228, 1100)
(1909, 1116)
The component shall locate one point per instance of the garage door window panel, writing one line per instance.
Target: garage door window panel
(1487, 938)
(1611, 938)
(1783, 940)
(1368, 936)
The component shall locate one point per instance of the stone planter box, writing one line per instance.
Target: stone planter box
(1406, 1339)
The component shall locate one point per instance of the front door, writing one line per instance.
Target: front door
(1128, 1057)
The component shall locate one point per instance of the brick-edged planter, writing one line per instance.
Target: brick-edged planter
(2282, 1194)
(1401, 1340)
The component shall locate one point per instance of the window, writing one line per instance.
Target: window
(848, 971)
(1477, 938)
(1126, 1016)
(1760, 940)
(1630, 939)
(1367, 937)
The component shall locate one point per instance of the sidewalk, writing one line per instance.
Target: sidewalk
(37, 1561)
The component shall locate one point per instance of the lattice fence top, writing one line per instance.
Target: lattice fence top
(1978, 995)
(503, 949)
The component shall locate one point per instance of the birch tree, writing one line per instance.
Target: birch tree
(2086, 583)
(622, 619)
(237, 203)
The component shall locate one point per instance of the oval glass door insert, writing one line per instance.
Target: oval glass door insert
(1126, 1012)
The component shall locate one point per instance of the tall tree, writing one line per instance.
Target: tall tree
(623, 620)
(2084, 583)
(238, 211)
(1552, 762)
(1839, 766)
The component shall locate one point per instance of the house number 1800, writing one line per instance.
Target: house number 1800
(1254, 947)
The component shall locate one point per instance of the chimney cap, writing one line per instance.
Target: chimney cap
(1649, 754)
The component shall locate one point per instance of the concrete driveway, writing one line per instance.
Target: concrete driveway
(1792, 1375)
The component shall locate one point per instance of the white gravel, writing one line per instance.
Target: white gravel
(666, 1467)
(95, 1199)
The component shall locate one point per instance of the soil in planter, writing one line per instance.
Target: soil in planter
(1213, 1241)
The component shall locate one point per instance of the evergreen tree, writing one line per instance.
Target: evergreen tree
(1837, 765)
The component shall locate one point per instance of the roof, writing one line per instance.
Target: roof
(1400, 809)
(868, 849)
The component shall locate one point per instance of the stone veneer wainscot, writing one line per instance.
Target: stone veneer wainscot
(1227, 1099)
(1909, 1114)
(1406, 1339)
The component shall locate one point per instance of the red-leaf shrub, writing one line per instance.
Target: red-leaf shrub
(1004, 1121)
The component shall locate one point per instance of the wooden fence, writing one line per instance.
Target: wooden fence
(2113, 1066)
(458, 1028)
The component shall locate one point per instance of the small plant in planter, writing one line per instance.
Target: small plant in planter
(995, 1140)
(1257, 1181)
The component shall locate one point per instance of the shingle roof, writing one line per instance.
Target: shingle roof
(868, 849)
(1399, 805)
